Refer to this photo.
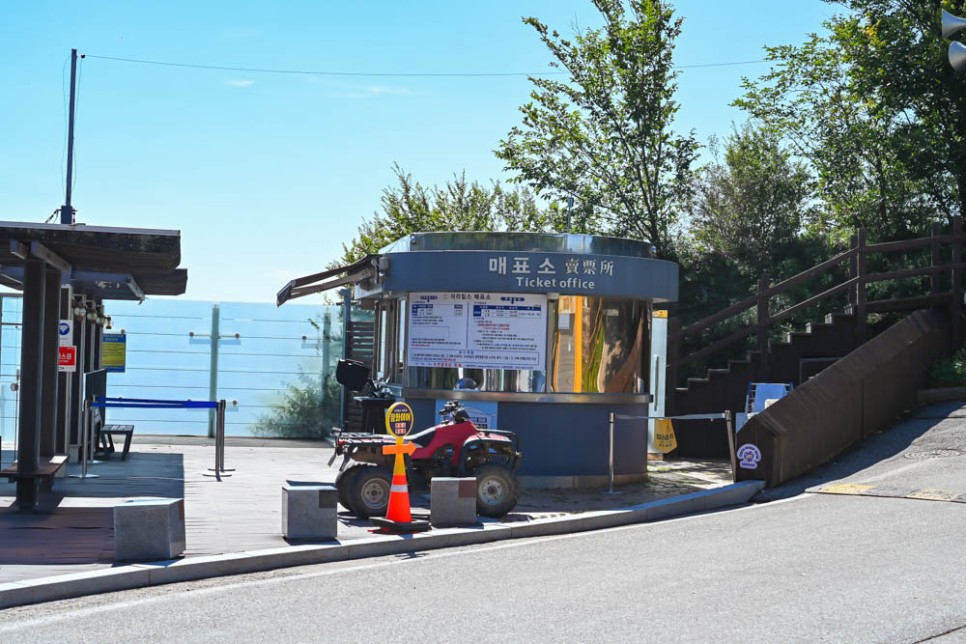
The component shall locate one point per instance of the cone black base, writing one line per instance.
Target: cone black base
(400, 526)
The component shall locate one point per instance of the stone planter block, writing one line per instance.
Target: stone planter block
(309, 511)
(452, 501)
(149, 529)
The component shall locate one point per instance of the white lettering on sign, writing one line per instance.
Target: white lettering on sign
(66, 359)
(552, 283)
(543, 274)
(546, 268)
(498, 265)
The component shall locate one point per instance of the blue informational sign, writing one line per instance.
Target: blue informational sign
(114, 352)
(527, 272)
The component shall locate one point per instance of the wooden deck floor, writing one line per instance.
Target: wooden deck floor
(74, 532)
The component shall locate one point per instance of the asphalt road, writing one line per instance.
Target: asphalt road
(816, 568)
(882, 558)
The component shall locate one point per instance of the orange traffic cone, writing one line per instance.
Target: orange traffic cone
(399, 517)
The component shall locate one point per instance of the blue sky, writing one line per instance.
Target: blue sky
(267, 175)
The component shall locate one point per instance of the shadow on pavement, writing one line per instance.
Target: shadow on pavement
(74, 524)
(866, 453)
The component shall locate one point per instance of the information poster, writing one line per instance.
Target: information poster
(478, 330)
(114, 352)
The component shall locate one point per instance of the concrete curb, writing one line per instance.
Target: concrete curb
(142, 575)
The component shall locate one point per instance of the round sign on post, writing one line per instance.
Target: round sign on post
(399, 419)
(65, 332)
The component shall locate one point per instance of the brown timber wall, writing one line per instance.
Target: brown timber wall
(860, 394)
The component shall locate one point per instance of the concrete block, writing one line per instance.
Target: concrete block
(452, 501)
(309, 511)
(149, 529)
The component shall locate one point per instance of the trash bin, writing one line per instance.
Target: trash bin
(373, 413)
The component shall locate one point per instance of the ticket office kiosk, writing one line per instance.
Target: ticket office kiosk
(542, 334)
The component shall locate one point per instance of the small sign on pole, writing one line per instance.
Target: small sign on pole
(65, 332)
(67, 359)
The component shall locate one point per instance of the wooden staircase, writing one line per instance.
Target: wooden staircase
(796, 359)
(927, 275)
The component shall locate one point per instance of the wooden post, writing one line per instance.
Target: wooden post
(763, 320)
(48, 369)
(853, 271)
(31, 357)
(861, 272)
(934, 258)
(956, 289)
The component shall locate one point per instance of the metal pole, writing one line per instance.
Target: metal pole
(80, 332)
(67, 211)
(86, 427)
(84, 444)
(611, 463)
(220, 469)
(346, 303)
(221, 434)
(729, 427)
(323, 375)
(213, 368)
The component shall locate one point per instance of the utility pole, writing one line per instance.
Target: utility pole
(67, 211)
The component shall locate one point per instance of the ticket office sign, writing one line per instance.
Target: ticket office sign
(478, 330)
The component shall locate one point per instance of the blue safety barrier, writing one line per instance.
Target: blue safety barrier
(103, 402)
(148, 403)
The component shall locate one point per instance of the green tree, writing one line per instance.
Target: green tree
(876, 110)
(306, 409)
(460, 205)
(750, 206)
(310, 407)
(603, 137)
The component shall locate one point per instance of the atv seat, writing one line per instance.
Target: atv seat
(423, 438)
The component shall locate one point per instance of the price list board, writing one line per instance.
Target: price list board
(478, 330)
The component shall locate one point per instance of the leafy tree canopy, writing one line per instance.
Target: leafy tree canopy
(750, 205)
(877, 111)
(604, 136)
(460, 205)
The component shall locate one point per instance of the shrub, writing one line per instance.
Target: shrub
(949, 372)
(304, 411)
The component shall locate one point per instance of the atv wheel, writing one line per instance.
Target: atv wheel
(342, 483)
(497, 491)
(368, 491)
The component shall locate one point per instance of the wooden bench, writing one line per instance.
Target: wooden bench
(49, 466)
(105, 438)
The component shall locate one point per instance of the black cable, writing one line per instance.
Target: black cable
(258, 70)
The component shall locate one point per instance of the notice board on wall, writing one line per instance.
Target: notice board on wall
(114, 352)
(478, 330)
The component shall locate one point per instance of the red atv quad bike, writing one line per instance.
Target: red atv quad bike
(455, 447)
